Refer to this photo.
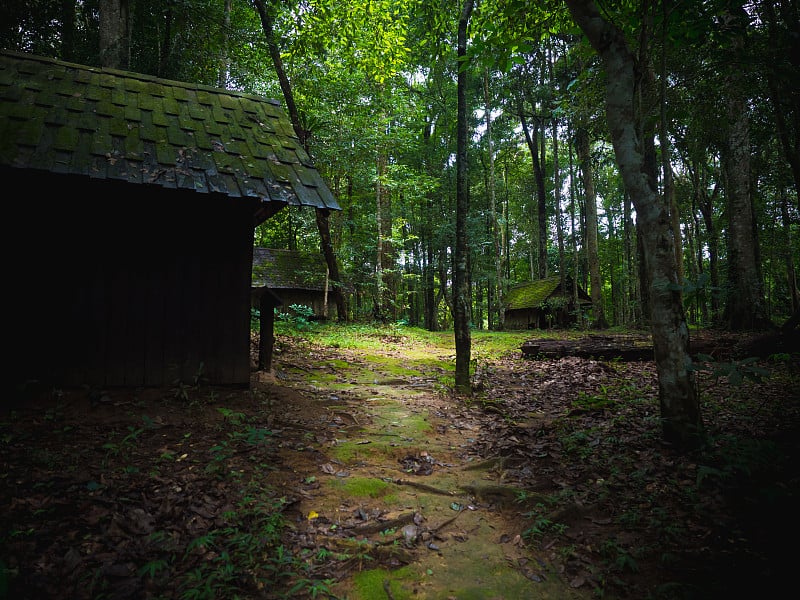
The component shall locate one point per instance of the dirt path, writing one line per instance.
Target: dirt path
(351, 473)
(385, 477)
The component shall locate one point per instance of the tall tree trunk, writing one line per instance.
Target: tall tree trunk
(379, 311)
(165, 51)
(224, 61)
(430, 319)
(68, 30)
(791, 275)
(583, 149)
(387, 252)
(633, 305)
(114, 34)
(781, 74)
(706, 206)
(461, 296)
(323, 220)
(680, 410)
(670, 198)
(497, 236)
(532, 138)
(574, 238)
(745, 309)
(562, 259)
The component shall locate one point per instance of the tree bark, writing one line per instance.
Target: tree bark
(532, 140)
(791, 277)
(592, 250)
(670, 198)
(224, 60)
(461, 299)
(68, 30)
(745, 309)
(562, 259)
(680, 411)
(114, 40)
(781, 70)
(496, 228)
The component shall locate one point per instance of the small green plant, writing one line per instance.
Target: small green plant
(300, 317)
(124, 445)
(737, 458)
(591, 402)
(181, 390)
(735, 371)
(542, 524)
(233, 417)
(153, 568)
(618, 558)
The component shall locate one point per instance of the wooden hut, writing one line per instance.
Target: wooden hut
(543, 304)
(134, 200)
(296, 278)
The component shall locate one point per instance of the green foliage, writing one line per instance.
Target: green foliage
(590, 402)
(617, 557)
(735, 459)
(300, 317)
(125, 445)
(735, 371)
(542, 525)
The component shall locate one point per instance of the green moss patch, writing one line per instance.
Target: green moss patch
(373, 583)
(362, 487)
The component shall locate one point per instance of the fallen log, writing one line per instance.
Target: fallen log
(716, 344)
(596, 347)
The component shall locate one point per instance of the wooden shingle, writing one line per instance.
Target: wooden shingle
(203, 138)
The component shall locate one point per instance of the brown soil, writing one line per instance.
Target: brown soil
(551, 482)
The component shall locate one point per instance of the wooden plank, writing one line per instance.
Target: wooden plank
(155, 327)
(118, 308)
(135, 325)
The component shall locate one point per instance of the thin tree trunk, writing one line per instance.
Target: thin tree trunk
(745, 309)
(680, 410)
(224, 61)
(496, 229)
(785, 102)
(379, 311)
(666, 165)
(596, 288)
(562, 260)
(791, 275)
(532, 139)
(114, 34)
(461, 298)
(322, 214)
(574, 239)
(706, 206)
(68, 30)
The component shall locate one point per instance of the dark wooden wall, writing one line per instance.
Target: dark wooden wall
(121, 285)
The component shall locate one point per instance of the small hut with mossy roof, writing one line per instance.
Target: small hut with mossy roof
(297, 278)
(543, 304)
(135, 201)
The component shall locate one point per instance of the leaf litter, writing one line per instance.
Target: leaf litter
(131, 497)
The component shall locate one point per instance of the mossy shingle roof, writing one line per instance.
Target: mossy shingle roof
(288, 269)
(533, 293)
(110, 124)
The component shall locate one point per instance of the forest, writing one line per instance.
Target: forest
(645, 153)
(374, 88)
